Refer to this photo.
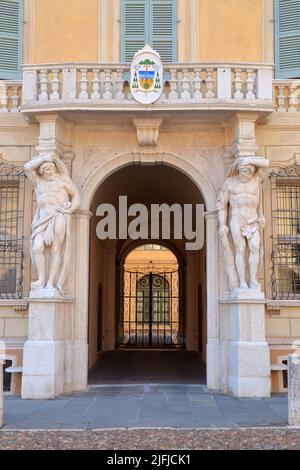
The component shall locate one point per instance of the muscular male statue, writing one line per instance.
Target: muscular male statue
(57, 198)
(241, 193)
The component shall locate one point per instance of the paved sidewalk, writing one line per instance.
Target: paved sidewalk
(144, 406)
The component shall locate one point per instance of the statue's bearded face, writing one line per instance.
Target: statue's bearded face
(48, 169)
(246, 170)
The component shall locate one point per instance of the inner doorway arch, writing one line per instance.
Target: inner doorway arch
(151, 311)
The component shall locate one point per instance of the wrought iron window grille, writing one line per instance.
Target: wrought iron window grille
(285, 211)
(12, 196)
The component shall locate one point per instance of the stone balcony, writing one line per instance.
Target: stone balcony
(105, 87)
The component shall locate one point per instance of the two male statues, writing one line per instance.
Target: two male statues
(241, 221)
(239, 207)
(56, 198)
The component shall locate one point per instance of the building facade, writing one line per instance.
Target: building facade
(230, 91)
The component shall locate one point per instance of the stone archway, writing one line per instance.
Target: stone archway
(203, 182)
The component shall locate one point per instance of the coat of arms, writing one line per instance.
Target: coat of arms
(146, 76)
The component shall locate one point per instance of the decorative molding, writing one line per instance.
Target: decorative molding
(28, 34)
(297, 158)
(10, 169)
(21, 309)
(147, 131)
(273, 309)
(268, 31)
(244, 143)
(148, 156)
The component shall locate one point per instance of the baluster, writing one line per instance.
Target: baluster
(197, 85)
(119, 84)
(96, 84)
(209, 84)
(55, 85)
(250, 85)
(107, 85)
(83, 94)
(292, 99)
(4, 98)
(173, 95)
(281, 99)
(43, 96)
(15, 99)
(185, 94)
(238, 95)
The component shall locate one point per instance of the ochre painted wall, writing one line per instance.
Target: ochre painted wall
(207, 30)
(231, 30)
(65, 30)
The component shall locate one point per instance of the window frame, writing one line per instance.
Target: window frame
(16, 75)
(284, 241)
(281, 74)
(148, 27)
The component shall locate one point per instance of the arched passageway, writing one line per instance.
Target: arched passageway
(151, 293)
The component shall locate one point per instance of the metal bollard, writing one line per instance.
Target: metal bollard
(294, 388)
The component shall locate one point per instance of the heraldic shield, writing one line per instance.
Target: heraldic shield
(146, 76)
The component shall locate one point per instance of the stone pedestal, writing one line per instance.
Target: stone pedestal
(294, 389)
(45, 368)
(1, 393)
(245, 352)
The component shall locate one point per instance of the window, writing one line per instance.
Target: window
(287, 38)
(11, 230)
(150, 22)
(10, 38)
(285, 193)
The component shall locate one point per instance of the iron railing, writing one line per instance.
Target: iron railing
(12, 197)
(285, 208)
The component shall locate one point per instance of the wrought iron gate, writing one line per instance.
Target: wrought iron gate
(151, 309)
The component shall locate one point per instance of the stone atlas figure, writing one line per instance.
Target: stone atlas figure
(57, 198)
(241, 220)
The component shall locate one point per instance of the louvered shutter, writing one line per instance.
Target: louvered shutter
(135, 27)
(10, 38)
(287, 38)
(163, 28)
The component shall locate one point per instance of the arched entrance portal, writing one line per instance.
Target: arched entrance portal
(156, 308)
(151, 312)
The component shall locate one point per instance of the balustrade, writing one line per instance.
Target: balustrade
(223, 85)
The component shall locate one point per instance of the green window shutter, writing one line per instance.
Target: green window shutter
(135, 30)
(11, 13)
(163, 28)
(287, 38)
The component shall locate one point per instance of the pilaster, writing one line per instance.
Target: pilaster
(50, 326)
(55, 137)
(244, 137)
(212, 285)
(245, 352)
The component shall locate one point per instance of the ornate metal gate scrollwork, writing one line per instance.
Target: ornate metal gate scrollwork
(285, 206)
(151, 309)
(12, 184)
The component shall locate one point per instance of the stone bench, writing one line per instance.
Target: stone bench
(279, 367)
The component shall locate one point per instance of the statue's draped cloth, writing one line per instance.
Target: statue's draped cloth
(45, 226)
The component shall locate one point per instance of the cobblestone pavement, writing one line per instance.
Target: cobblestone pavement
(144, 406)
(153, 439)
